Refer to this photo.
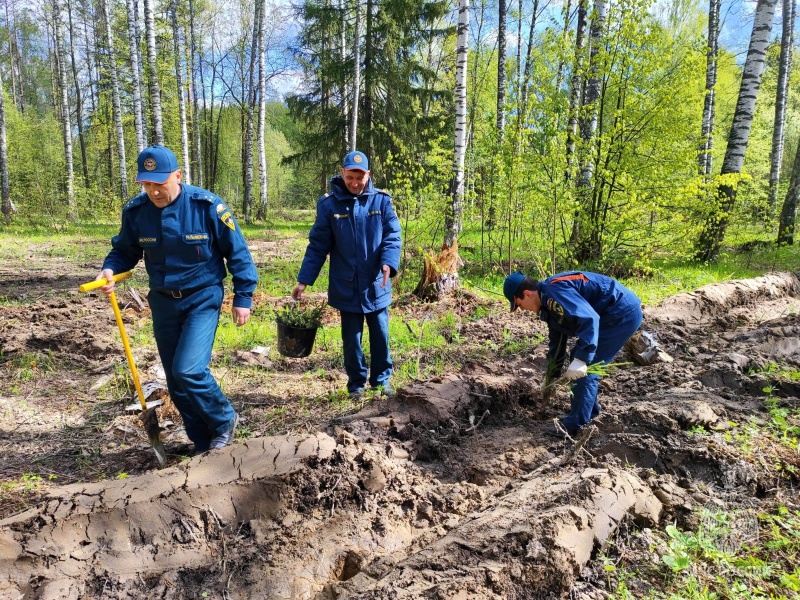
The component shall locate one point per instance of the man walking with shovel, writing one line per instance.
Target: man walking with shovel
(601, 312)
(187, 236)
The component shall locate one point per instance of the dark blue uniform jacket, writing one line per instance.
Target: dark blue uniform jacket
(573, 304)
(185, 245)
(361, 233)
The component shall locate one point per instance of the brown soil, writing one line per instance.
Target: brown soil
(450, 490)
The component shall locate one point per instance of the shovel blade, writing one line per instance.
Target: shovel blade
(149, 420)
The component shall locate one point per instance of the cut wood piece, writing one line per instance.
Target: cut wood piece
(645, 350)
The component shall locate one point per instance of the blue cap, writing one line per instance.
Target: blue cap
(356, 160)
(510, 287)
(155, 164)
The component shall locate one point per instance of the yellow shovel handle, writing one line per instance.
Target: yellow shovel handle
(134, 373)
(93, 285)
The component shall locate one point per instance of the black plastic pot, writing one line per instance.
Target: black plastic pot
(295, 342)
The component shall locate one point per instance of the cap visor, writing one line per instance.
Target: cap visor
(354, 168)
(513, 306)
(152, 177)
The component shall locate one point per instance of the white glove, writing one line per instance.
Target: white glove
(576, 369)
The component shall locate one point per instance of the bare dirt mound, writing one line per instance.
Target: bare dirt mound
(449, 490)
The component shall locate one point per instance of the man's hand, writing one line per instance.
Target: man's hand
(386, 271)
(576, 369)
(298, 290)
(108, 275)
(240, 315)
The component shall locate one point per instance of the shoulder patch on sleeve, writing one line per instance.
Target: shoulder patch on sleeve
(227, 219)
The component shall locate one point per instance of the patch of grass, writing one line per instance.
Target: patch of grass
(731, 555)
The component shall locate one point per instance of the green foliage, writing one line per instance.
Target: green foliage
(308, 316)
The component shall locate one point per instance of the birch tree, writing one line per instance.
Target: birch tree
(712, 57)
(440, 274)
(140, 123)
(584, 236)
(261, 213)
(781, 97)
(576, 89)
(249, 101)
(6, 205)
(186, 171)
(710, 239)
(59, 50)
(116, 104)
(152, 73)
(76, 82)
(502, 10)
(195, 71)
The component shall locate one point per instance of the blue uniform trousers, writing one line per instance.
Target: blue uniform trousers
(354, 362)
(615, 330)
(184, 329)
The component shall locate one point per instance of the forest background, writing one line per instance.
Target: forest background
(539, 134)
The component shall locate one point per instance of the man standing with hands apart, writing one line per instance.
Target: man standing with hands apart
(357, 226)
(187, 236)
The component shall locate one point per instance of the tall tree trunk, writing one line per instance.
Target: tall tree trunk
(369, 76)
(712, 56)
(528, 69)
(262, 112)
(195, 70)
(117, 107)
(789, 210)
(78, 96)
(140, 123)
(500, 122)
(345, 97)
(6, 205)
(249, 99)
(152, 72)
(441, 273)
(781, 97)
(576, 91)
(13, 51)
(353, 137)
(92, 58)
(710, 239)
(186, 171)
(59, 47)
(585, 241)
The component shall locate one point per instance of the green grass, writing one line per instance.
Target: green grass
(731, 555)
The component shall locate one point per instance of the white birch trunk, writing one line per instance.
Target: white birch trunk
(249, 106)
(60, 56)
(186, 169)
(262, 113)
(117, 108)
(453, 221)
(152, 73)
(712, 55)
(781, 97)
(78, 95)
(500, 122)
(710, 239)
(6, 205)
(193, 53)
(139, 120)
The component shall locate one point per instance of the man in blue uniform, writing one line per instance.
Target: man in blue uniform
(186, 235)
(357, 226)
(601, 312)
